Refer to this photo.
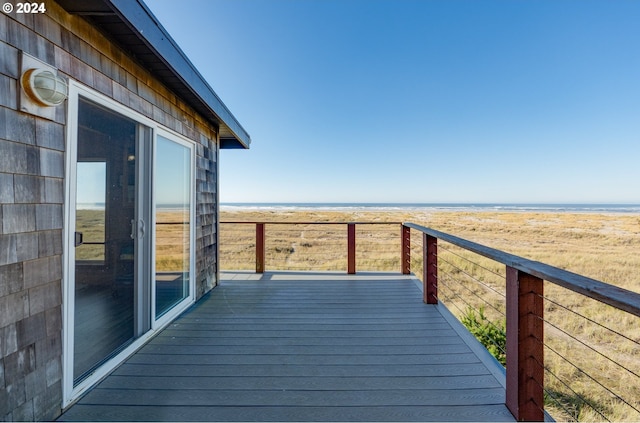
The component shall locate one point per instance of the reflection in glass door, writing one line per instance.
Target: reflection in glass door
(107, 295)
(173, 177)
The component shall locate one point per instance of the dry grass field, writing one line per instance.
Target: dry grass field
(593, 372)
(172, 241)
(171, 235)
(91, 224)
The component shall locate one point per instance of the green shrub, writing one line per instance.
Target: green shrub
(491, 335)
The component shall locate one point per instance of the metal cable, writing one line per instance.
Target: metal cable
(472, 277)
(591, 348)
(493, 341)
(470, 261)
(479, 297)
(590, 377)
(558, 403)
(591, 320)
(584, 401)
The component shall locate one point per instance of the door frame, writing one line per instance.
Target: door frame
(71, 393)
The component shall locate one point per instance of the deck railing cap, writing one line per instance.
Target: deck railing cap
(621, 298)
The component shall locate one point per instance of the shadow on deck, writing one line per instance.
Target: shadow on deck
(305, 346)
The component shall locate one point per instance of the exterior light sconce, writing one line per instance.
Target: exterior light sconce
(44, 87)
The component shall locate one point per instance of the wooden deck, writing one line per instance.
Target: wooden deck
(287, 346)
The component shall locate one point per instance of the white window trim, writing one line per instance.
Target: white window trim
(71, 393)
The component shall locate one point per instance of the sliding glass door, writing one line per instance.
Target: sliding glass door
(173, 191)
(130, 237)
(107, 249)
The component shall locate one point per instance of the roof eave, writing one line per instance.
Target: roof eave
(197, 92)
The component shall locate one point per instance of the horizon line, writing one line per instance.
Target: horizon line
(577, 203)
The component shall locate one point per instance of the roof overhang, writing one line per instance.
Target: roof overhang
(131, 24)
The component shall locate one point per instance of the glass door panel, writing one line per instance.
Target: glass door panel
(173, 223)
(90, 212)
(106, 298)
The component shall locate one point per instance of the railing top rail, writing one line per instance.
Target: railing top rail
(312, 223)
(620, 298)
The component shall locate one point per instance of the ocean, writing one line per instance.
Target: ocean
(498, 207)
(508, 207)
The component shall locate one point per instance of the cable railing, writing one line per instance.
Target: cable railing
(569, 343)
(309, 246)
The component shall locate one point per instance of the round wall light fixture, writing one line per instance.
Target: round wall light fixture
(44, 87)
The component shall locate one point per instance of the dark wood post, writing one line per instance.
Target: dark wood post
(351, 248)
(430, 269)
(260, 255)
(525, 350)
(405, 239)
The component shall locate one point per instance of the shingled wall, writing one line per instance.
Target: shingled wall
(32, 172)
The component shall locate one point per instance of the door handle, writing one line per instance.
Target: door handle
(78, 239)
(133, 229)
(137, 227)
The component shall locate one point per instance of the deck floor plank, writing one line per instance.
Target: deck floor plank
(297, 346)
(256, 398)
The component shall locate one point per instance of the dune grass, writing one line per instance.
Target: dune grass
(172, 241)
(171, 238)
(91, 223)
(582, 382)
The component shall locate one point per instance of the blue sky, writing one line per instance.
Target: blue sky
(422, 100)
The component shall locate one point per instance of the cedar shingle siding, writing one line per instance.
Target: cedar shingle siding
(32, 172)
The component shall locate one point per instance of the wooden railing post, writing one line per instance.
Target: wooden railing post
(260, 255)
(525, 353)
(351, 248)
(430, 269)
(405, 239)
